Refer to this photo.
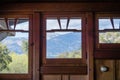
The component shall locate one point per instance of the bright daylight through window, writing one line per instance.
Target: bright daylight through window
(109, 30)
(14, 38)
(63, 37)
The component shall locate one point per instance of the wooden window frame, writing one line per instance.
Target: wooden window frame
(54, 65)
(20, 76)
(105, 50)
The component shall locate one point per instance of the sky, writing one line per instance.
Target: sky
(106, 24)
(73, 24)
(22, 26)
(53, 24)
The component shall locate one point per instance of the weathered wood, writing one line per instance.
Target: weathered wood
(52, 77)
(78, 77)
(117, 74)
(82, 70)
(64, 77)
(89, 45)
(108, 75)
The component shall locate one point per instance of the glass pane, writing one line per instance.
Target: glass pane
(106, 30)
(64, 45)
(14, 51)
(52, 24)
(117, 23)
(104, 24)
(2, 24)
(109, 37)
(63, 22)
(12, 23)
(75, 23)
(22, 21)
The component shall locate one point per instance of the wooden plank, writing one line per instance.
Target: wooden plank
(78, 77)
(117, 74)
(64, 70)
(60, 7)
(36, 47)
(52, 77)
(110, 74)
(65, 77)
(89, 46)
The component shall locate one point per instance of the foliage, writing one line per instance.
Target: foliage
(5, 59)
(25, 46)
(74, 54)
(19, 64)
(109, 37)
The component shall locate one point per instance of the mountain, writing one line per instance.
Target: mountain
(14, 44)
(63, 43)
(60, 43)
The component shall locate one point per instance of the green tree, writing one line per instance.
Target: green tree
(19, 64)
(25, 46)
(73, 54)
(5, 59)
(109, 37)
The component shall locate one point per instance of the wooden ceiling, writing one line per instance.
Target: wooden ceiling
(20, 1)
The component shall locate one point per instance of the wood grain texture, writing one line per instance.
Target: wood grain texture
(64, 77)
(117, 74)
(52, 77)
(78, 77)
(110, 74)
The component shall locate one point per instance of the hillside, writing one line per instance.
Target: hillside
(55, 45)
(63, 43)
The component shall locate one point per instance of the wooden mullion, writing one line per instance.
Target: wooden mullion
(59, 23)
(64, 30)
(110, 30)
(111, 19)
(68, 20)
(15, 23)
(6, 21)
(119, 25)
(14, 31)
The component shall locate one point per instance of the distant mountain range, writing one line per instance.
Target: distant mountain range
(55, 45)
(14, 44)
(63, 43)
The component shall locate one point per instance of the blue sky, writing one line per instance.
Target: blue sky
(22, 26)
(106, 24)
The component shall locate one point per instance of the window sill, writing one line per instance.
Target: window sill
(81, 70)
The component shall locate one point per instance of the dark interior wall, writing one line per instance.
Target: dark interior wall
(11, 1)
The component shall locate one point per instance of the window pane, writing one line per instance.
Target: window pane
(107, 33)
(52, 24)
(75, 23)
(2, 24)
(63, 22)
(109, 37)
(14, 50)
(24, 22)
(104, 24)
(12, 23)
(64, 45)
